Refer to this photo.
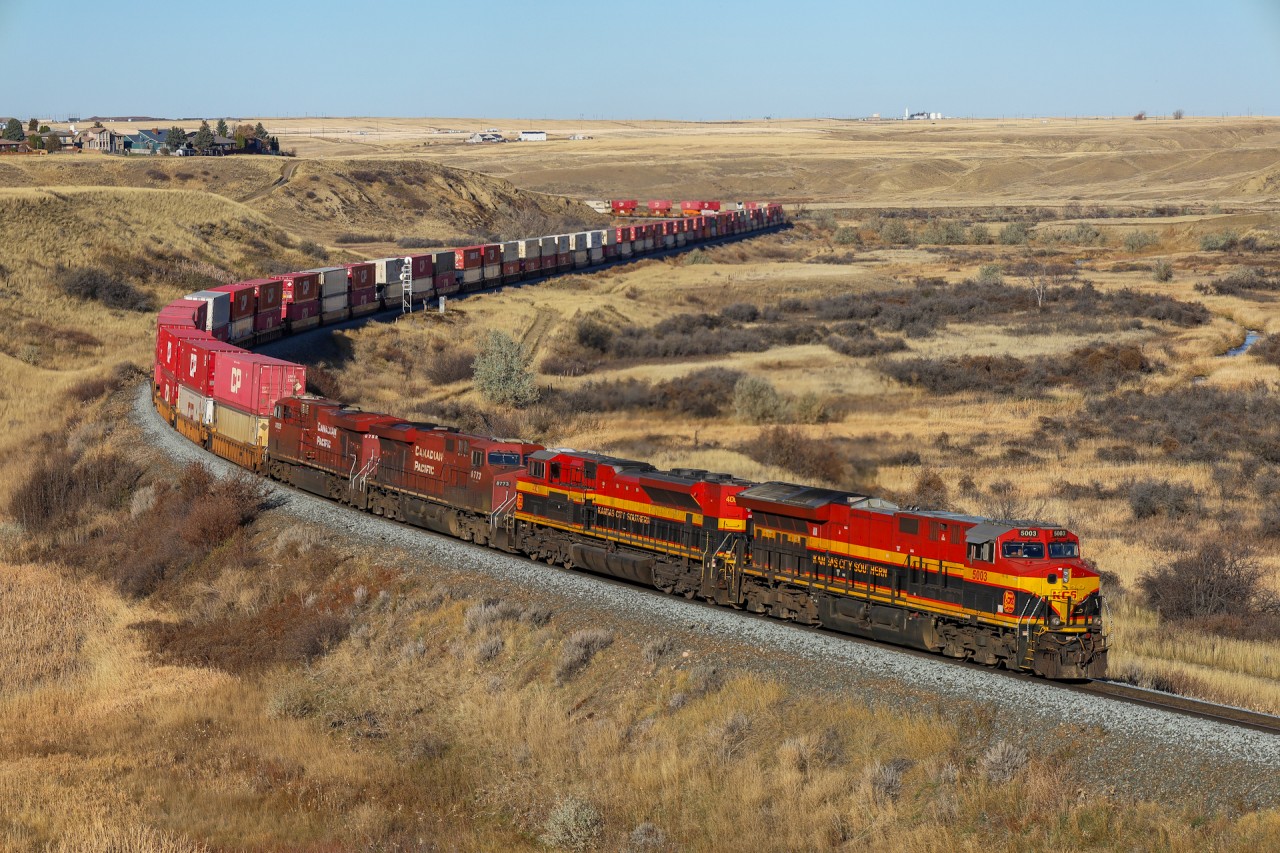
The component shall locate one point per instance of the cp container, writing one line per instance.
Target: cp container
(364, 296)
(360, 276)
(184, 313)
(244, 299)
(198, 361)
(300, 286)
(511, 251)
(265, 321)
(269, 292)
(468, 258)
(240, 330)
(252, 383)
(295, 311)
(167, 350)
(491, 253)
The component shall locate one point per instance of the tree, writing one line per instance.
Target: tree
(33, 125)
(33, 141)
(221, 129)
(756, 401)
(260, 132)
(53, 142)
(502, 372)
(1140, 115)
(44, 128)
(176, 138)
(13, 130)
(1218, 579)
(1178, 114)
(203, 138)
(275, 145)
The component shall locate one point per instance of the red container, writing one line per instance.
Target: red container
(531, 264)
(167, 385)
(167, 344)
(360, 276)
(659, 206)
(244, 299)
(470, 258)
(270, 293)
(446, 281)
(421, 266)
(184, 313)
(253, 383)
(265, 321)
(222, 333)
(711, 205)
(300, 310)
(511, 267)
(364, 297)
(564, 259)
(624, 206)
(492, 254)
(300, 286)
(198, 362)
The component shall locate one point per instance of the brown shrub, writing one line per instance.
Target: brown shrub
(1216, 580)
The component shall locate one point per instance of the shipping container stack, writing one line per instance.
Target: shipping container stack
(335, 294)
(624, 208)
(267, 296)
(579, 249)
(659, 208)
(564, 255)
(184, 314)
(531, 257)
(491, 264)
(300, 301)
(362, 289)
(246, 387)
(609, 243)
(218, 314)
(243, 306)
(623, 237)
(388, 280)
(511, 261)
(470, 262)
(445, 271)
(595, 247)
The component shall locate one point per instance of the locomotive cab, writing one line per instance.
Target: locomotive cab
(1051, 595)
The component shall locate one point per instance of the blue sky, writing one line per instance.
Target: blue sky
(691, 60)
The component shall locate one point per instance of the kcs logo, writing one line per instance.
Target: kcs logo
(237, 379)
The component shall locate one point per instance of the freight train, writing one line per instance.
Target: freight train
(1012, 594)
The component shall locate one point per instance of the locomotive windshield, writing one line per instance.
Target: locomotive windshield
(499, 458)
(1023, 550)
(1063, 550)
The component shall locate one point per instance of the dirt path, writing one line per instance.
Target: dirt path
(286, 172)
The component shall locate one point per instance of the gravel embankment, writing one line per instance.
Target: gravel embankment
(1132, 750)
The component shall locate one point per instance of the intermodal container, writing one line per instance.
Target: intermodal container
(608, 237)
(562, 244)
(265, 321)
(240, 330)
(492, 272)
(167, 349)
(580, 258)
(659, 206)
(473, 275)
(389, 270)
(360, 276)
(468, 258)
(167, 386)
(198, 360)
(579, 241)
(511, 269)
(298, 311)
(244, 299)
(269, 293)
(333, 280)
(446, 282)
(252, 383)
(625, 206)
(530, 248)
(550, 248)
(492, 253)
(595, 255)
(219, 313)
(188, 313)
(364, 296)
(335, 302)
(240, 426)
(300, 286)
(511, 251)
(193, 406)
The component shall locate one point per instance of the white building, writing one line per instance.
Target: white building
(533, 136)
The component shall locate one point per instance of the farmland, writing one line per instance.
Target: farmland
(965, 315)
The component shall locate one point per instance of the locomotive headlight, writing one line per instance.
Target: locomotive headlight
(1097, 620)
(1054, 620)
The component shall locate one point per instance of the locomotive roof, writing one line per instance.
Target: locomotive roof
(792, 494)
(598, 458)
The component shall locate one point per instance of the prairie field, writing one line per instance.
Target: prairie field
(1021, 319)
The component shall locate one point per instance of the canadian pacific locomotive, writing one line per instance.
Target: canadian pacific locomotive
(1013, 594)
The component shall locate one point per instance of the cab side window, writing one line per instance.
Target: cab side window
(477, 459)
(538, 468)
(982, 551)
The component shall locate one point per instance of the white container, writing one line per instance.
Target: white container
(609, 236)
(492, 272)
(562, 244)
(668, 240)
(530, 248)
(550, 246)
(193, 407)
(219, 313)
(681, 239)
(388, 270)
(580, 258)
(473, 275)
(336, 302)
(624, 249)
(511, 251)
(596, 255)
(333, 280)
(241, 329)
(240, 426)
(579, 241)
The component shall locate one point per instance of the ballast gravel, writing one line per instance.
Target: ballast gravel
(1133, 751)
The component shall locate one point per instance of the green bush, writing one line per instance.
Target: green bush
(1221, 241)
(1015, 234)
(895, 231)
(756, 401)
(990, 274)
(1136, 241)
(502, 373)
(979, 234)
(1162, 270)
(846, 236)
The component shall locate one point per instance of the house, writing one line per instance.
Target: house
(146, 141)
(11, 146)
(222, 145)
(101, 140)
(533, 136)
(485, 137)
